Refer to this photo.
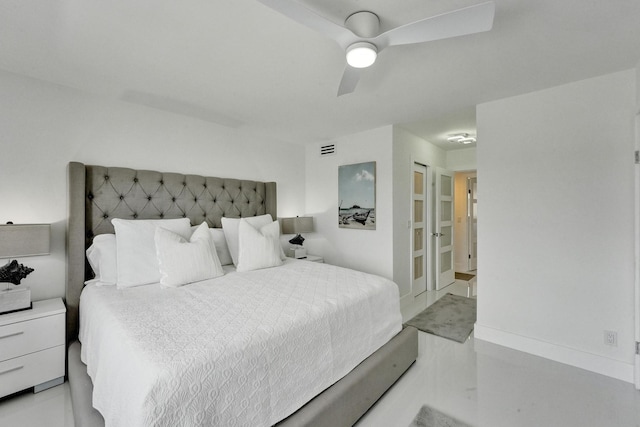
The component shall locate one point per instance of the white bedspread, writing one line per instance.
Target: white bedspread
(244, 349)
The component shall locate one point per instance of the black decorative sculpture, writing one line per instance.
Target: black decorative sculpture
(297, 240)
(13, 272)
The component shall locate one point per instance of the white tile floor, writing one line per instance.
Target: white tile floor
(49, 408)
(477, 382)
(486, 385)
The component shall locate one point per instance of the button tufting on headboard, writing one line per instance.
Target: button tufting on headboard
(141, 194)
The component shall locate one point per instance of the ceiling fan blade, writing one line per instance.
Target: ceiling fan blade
(349, 80)
(469, 20)
(311, 19)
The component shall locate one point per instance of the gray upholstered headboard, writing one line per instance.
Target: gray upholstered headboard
(97, 194)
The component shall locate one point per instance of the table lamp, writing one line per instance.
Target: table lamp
(297, 225)
(16, 241)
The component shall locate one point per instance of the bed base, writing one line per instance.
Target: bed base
(342, 404)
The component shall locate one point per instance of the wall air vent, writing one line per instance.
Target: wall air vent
(327, 150)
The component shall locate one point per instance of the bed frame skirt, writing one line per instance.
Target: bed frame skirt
(342, 404)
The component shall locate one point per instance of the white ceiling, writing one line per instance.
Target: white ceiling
(240, 64)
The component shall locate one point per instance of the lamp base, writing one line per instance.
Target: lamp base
(298, 252)
(15, 299)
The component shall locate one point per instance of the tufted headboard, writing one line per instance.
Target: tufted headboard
(97, 194)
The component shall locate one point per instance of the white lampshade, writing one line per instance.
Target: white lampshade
(361, 55)
(24, 240)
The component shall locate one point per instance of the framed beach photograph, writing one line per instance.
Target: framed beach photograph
(357, 195)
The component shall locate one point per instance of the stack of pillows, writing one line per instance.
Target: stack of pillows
(173, 253)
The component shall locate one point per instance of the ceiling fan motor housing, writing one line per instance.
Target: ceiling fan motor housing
(363, 24)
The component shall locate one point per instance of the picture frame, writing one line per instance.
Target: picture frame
(357, 196)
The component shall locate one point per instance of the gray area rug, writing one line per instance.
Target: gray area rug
(450, 317)
(429, 417)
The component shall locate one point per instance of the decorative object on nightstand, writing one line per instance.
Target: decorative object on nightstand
(32, 347)
(297, 225)
(16, 241)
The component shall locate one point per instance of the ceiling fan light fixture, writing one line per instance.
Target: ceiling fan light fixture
(361, 54)
(456, 137)
(461, 138)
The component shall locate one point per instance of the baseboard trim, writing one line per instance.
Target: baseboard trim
(580, 359)
(406, 300)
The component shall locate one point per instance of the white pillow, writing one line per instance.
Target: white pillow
(220, 243)
(183, 261)
(221, 246)
(259, 247)
(102, 259)
(230, 227)
(136, 248)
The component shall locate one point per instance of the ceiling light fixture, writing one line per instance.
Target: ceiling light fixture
(361, 54)
(461, 138)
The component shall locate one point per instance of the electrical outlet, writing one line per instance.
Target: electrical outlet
(611, 338)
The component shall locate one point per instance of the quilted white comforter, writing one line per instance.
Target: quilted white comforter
(242, 349)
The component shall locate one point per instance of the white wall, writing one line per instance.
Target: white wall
(45, 126)
(366, 250)
(556, 239)
(463, 159)
(407, 149)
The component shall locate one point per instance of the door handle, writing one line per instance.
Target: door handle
(437, 234)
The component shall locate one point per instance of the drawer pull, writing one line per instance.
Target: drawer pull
(11, 370)
(12, 335)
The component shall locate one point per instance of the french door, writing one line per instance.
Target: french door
(445, 274)
(419, 229)
(637, 255)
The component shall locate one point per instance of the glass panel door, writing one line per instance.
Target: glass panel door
(418, 234)
(444, 228)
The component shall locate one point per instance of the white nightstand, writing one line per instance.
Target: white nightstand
(312, 258)
(32, 344)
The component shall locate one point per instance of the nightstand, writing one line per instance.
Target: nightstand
(314, 258)
(32, 344)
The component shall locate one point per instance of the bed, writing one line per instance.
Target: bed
(96, 196)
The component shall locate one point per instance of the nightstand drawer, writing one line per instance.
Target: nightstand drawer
(30, 370)
(29, 336)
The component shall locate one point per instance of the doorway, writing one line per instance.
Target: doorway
(466, 221)
(472, 222)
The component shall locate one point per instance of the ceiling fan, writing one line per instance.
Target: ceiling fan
(360, 36)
